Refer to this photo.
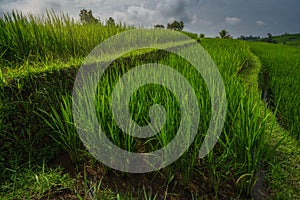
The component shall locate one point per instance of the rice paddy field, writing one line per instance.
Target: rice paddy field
(42, 157)
(289, 39)
(281, 82)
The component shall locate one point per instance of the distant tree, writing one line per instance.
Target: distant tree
(250, 38)
(175, 25)
(202, 35)
(224, 34)
(110, 22)
(270, 35)
(87, 17)
(269, 39)
(159, 26)
(242, 37)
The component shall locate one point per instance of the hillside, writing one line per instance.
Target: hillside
(288, 39)
(43, 156)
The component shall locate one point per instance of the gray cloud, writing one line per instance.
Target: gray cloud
(177, 9)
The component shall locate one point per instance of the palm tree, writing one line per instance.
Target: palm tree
(269, 35)
(224, 34)
(110, 22)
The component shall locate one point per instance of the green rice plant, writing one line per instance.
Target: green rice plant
(243, 146)
(48, 37)
(242, 149)
(38, 183)
(245, 133)
(64, 130)
(280, 82)
(245, 137)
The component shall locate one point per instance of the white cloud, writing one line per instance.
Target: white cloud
(232, 20)
(260, 23)
(195, 20)
(32, 6)
(138, 15)
(140, 11)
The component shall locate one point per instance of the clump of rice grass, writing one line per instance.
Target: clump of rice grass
(64, 131)
(48, 38)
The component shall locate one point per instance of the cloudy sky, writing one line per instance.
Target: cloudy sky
(239, 17)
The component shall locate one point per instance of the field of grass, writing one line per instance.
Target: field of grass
(289, 39)
(280, 82)
(41, 155)
(31, 39)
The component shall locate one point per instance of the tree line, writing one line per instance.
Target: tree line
(86, 17)
(175, 25)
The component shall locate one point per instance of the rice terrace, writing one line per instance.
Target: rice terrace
(44, 156)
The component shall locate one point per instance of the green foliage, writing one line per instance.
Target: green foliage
(35, 183)
(249, 38)
(24, 137)
(159, 26)
(224, 34)
(244, 141)
(280, 82)
(86, 17)
(288, 39)
(242, 149)
(202, 35)
(191, 35)
(269, 39)
(64, 131)
(45, 39)
(110, 22)
(175, 25)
